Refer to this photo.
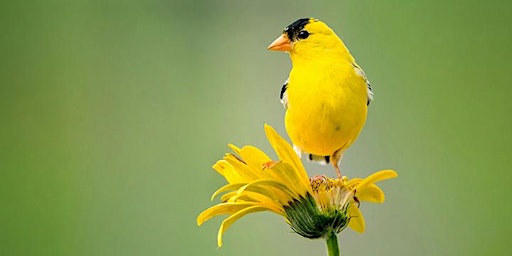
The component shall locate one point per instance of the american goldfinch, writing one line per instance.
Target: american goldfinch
(326, 94)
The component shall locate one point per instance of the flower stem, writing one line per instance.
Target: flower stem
(332, 244)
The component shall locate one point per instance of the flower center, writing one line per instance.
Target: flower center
(323, 211)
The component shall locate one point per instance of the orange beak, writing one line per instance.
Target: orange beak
(282, 43)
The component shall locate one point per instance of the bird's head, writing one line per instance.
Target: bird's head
(305, 36)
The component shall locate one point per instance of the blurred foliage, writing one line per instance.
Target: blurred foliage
(114, 111)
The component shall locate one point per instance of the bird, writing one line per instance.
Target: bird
(326, 95)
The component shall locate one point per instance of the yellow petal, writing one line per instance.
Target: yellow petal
(378, 176)
(270, 188)
(286, 153)
(356, 218)
(231, 219)
(246, 172)
(221, 166)
(284, 173)
(370, 193)
(225, 169)
(247, 196)
(251, 156)
(353, 182)
(233, 186)
(233, 196)
(224, 208)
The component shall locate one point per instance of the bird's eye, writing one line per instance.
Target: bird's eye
(303, 34)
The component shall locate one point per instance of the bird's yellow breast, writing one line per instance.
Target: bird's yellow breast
(326, 106)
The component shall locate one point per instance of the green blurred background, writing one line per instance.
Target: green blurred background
(112, 113)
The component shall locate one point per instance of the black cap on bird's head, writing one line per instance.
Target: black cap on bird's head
(291, 33)
(293, 30)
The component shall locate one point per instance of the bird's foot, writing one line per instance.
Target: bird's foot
(338, 171)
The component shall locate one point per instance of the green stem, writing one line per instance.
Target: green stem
(332, 244)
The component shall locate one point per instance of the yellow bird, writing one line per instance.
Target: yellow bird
(326, 94)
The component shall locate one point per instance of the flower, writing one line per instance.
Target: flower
(312, 207)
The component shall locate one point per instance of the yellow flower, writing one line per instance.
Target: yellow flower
(311, 207)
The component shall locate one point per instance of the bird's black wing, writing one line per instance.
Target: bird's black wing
(283, 95)
(369, 91)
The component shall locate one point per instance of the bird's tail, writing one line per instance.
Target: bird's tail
(323, 160)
